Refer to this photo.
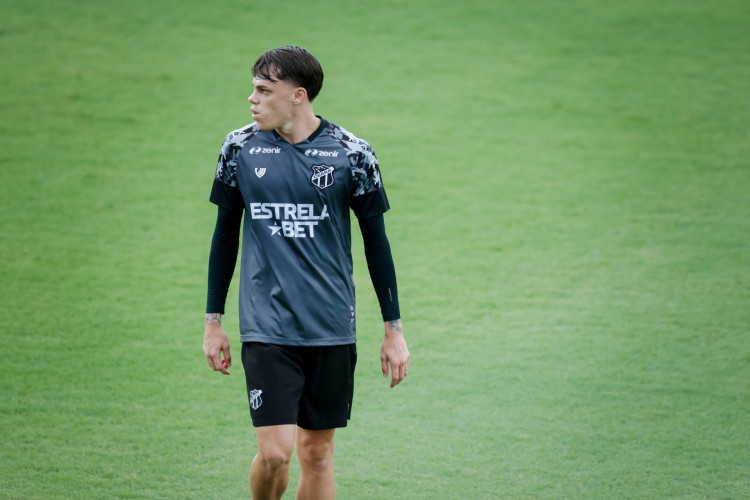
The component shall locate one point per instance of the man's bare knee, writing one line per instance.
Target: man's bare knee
(315, 451)
(275, 447)
(274, 458)
(318, 457)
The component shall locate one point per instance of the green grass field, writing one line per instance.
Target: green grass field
(570, 184)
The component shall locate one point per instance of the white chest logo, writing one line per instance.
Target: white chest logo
(322, 176)
(260, 172)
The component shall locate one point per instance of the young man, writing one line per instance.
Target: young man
(296, 177)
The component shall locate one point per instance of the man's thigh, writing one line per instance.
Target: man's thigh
(329, 387)
(276, 441)
(275, 379)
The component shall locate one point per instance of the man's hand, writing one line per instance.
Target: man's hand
(216, 342)
(393, 351)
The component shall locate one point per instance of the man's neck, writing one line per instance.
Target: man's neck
(300, 129)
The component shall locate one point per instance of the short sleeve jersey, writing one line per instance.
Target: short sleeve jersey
(296, 285)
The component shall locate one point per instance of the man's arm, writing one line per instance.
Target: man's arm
(393, 350)
(221, 262)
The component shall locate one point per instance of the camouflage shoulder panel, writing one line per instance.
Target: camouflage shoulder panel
(362, 159)
(226, 168)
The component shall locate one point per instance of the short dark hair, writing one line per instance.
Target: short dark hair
(291, 64)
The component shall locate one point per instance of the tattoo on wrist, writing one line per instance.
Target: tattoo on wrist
(395, 324)
(213, 318)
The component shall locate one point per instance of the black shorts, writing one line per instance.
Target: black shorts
(311, 387)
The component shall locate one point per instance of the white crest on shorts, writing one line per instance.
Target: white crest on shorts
(260, 172)
(255, 400)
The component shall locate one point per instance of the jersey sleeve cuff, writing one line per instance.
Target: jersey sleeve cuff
(226, 196)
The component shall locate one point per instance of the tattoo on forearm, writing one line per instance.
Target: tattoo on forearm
(395, 324)
(213, 318)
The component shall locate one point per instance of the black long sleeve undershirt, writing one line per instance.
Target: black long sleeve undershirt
(223, 257)
(380, 265)
(226, 241)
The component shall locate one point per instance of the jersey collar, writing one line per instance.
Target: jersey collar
(313, 136)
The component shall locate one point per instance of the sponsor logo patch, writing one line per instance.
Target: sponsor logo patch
(258, 150)
(290, 220)
(316, 152)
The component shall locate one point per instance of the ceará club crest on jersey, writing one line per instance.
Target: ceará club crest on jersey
(322, 176)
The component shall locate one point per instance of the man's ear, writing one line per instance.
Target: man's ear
(300, 94)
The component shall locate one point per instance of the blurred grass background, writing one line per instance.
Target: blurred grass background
(570, 189)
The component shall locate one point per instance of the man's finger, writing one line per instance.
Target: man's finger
(209, 357)
(217, 364)
(384, 367)
(221, 365)
(398, 374)
(214, 361)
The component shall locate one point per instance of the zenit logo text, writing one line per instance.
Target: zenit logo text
(291, 220)
(315, 152)
(258, 150)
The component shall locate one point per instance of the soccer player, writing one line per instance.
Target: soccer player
(296, 177)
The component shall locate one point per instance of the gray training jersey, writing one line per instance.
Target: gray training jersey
(296, 285)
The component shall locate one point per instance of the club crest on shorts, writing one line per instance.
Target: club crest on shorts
(322, 176)
(255, 400)
(260, 172)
